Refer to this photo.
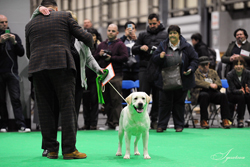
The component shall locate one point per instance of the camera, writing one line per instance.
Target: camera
(107, 52)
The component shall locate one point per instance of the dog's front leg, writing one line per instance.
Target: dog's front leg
(120, 134)
(145, 136)
(136, 152)
(127, 140)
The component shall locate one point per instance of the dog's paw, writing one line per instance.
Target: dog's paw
(147, 157)
(118, 154)
(126, 157)
(137, 153)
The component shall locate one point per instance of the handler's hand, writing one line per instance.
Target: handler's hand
(44, 10)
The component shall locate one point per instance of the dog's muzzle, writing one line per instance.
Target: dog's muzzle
(139, 109)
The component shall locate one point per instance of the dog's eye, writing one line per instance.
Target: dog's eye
(143, 98)
(135, 98)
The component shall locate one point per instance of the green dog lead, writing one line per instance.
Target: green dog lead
(99, 80)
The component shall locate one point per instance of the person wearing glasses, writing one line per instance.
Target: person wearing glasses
(147, 42)
(114, 51)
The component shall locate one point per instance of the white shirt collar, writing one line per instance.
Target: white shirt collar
(174, 47)
(242, 43)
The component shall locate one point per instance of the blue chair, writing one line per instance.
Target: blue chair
(224, 83)
(128, 84)
(137, 84)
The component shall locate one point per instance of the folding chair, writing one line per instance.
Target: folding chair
(128, 84)
(189, 113)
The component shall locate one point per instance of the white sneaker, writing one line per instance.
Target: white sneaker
(117, 128)
(3, 130)
(248, 121)
(24, 130)
(103, 128)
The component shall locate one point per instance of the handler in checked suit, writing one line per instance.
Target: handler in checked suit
(53, 70)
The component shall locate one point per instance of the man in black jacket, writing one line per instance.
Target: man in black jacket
(239, 47)
(199, 46)
(10, 47)
(202, 49)
(145, 45)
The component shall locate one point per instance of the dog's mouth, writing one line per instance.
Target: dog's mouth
(139, 109)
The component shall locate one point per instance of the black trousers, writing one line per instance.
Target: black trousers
(172, 101)
(55, 92)
(113, 102)
(216, 97)
(12, 83)
(149, 87)
(241, 100)
(90, 104)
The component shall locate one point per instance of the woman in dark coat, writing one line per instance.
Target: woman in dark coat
(238, 91)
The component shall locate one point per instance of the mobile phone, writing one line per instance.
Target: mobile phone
(7, 31)
(130, 26)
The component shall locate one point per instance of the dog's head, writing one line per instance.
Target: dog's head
(138, 100)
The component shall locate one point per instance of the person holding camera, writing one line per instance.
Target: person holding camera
(147, 42)
(10, 47)
(112, 50)
(131, 67)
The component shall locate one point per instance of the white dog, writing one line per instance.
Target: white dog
(134, 121)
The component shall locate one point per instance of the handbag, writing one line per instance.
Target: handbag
(171, 77)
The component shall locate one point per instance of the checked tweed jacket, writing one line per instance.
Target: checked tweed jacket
(53, 51)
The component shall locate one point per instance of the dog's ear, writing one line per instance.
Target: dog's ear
(129, 99)
(148, 98)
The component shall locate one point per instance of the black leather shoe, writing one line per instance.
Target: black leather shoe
(178, 130)
(93, 128)
(45, 153)
(85, 128)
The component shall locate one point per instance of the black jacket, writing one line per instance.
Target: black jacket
(201, 49)
(149, 38)
(189, 61)
(235, 84)
(8, 58)
(226, 56)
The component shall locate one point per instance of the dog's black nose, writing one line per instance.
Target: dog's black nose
(140, 105)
